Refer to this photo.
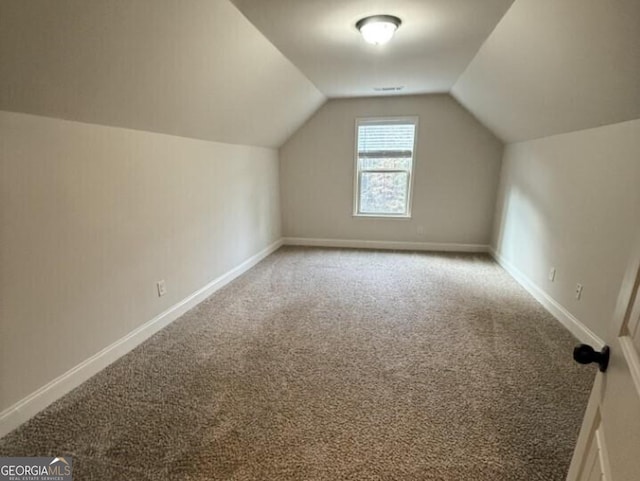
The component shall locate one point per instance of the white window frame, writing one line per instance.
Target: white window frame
(411, 174)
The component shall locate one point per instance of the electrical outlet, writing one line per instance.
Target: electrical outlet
(162, 288)
(578, 291)
(552, 274)
(420, 229)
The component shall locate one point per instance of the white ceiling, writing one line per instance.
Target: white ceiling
(194, 68)
(432, 47)
(555, 66)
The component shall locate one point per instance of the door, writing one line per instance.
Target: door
(608, 447)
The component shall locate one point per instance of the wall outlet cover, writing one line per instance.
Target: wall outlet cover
(162, 288)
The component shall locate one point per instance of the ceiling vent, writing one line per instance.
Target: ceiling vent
(388, 89)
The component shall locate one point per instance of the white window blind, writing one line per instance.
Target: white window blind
(385, 141)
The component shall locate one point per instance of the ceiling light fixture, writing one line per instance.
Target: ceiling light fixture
(378, 29)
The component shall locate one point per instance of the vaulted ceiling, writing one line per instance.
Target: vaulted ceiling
(253, 72)
(555, 66)
(195, 68)
(432, 47)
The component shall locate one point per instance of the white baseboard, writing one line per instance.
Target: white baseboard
(568, 320)
(393, 245)
(28, 407)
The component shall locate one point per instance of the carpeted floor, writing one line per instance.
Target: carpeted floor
(324, 364)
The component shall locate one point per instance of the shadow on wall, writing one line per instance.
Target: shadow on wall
(524, 218)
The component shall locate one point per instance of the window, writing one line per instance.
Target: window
(384, 165)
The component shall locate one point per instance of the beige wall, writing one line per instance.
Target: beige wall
(456, 174)
(91, 217)
(572, 202)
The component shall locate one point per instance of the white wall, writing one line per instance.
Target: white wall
(92, 216)
(457, 166)
(572, 201)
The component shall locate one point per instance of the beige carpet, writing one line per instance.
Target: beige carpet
(325, 364)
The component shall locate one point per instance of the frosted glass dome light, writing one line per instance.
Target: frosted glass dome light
(378, 29)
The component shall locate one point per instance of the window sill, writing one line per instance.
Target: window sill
(383, 216)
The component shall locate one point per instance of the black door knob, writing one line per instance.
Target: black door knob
(585, 354)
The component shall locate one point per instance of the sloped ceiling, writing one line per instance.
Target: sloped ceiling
(200, 69)
(434, 44)
(194, 68)
(555, 66)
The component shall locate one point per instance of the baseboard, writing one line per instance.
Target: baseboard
(392, 245)
(28, 407)
(568, 320)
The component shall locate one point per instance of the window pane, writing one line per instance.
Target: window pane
(383, 192)
(385, 163)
